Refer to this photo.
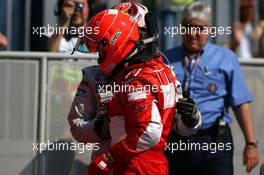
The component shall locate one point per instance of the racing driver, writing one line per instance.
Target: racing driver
(143, 117)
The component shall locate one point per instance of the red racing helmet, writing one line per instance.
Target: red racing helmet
(114, 38)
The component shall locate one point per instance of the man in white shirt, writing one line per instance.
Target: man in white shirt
(73, 16)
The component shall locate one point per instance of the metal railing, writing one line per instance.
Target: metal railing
(43, 58)
(40, 64)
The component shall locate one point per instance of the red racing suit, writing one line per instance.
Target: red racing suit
(147, 104)
(84, 107)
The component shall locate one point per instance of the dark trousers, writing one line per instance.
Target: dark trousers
(201, 154)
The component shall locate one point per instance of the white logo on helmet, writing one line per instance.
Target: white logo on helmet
(116, 36)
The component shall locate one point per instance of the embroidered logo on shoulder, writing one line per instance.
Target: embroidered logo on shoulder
(116, 36)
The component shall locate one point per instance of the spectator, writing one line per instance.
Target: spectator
(3, 40)
(259, 31)
(243, 30)
(212, 77)
(72, 14)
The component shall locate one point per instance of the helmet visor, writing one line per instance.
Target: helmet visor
(86, 45)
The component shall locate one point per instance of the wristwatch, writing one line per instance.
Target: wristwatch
(255, 144)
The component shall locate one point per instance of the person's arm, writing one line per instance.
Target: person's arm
(239, 98)
(251, 152)
(3, 41)
(82, 114)
(237, 32)
(53, 42)
(87, 114)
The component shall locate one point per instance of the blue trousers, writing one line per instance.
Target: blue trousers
(201, 154)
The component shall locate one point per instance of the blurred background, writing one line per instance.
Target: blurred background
(18, 18)
(37, 87)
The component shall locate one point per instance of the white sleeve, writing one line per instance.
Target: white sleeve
(84, 106)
